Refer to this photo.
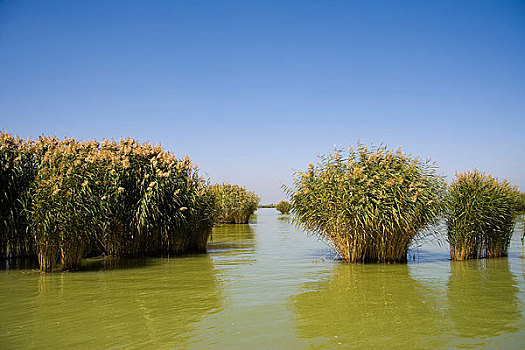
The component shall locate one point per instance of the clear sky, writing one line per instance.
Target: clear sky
(251, 89)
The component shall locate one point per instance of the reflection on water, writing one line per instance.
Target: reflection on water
(284, 218)
(367, 306)
(234, 243)
(378, 306)
(155, 306)
(263, 286)
(19, 264)
(483, 300)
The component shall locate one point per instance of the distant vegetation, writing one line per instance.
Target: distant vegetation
(284, 207)
(234, 203)
(368, 203)
(266, 205)
(64, 200)
(481, 216)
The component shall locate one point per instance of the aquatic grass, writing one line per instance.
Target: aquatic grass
(85, 198)
(68, 213)
(481, 213)
(235, 204)
(17, 172)
(368, 204)
(284, 207)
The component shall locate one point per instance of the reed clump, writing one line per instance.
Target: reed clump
(284, 207)
(17, 172)
(119, 199)
(234, 204)
(481, 213)
(368, 203)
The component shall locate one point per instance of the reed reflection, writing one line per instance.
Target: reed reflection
(18, 264)
(368, 306)
(156, 306)
(483, 297)
(284, 218)
(233, 243)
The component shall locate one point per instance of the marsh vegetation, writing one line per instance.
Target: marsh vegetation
(64, 200)
(369, 203)
(283, 207)
(234, 203)
(67, 199)
(481, 214)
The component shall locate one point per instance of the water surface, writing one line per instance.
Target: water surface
(268, 285)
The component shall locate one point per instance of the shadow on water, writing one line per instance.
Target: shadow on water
(367, 306)
(155, 308)
(108, 263)
(484, 303)
(90, 264)
(104, 263)
(19, 264)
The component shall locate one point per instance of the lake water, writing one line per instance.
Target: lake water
(268, 285)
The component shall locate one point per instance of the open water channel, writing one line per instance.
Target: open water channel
(268, 285)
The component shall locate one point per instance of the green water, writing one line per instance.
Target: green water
(267, 285)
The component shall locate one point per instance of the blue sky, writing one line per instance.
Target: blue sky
(251, 89)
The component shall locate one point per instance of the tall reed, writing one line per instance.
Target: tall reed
(480, 216)
(284, 207)
(17, 172)
(69, 206)
(369, 203)
(85, 198)
(235, 204)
